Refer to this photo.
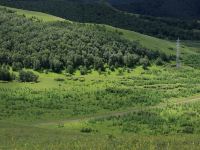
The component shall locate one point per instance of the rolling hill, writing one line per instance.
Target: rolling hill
(103, 13)
(63, 44)
(103, 103)
(185, 9)
(146, 41)
(39, 15)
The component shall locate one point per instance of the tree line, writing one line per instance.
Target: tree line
(184, 9)
(97, 12)
(24, 76)
(56, 46)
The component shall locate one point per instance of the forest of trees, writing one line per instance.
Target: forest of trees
(185, 9)
(62, 45)
(98, 12)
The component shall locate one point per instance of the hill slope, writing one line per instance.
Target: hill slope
(60, 45)
(100, 12)
(31, 14)
(186, 9)
(38, 115)
(156, 44)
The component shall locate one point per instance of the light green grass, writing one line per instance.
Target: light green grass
(147, 41)
(22, 137)
(156, 44)
(99, 93)
(41, 16)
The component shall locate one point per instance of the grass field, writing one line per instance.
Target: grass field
(137, 109)
(100, 111)
(14, 136)
(39, 15)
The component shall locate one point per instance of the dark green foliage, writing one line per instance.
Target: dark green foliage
(99, 64)
(98, 12)
(16, 66)
(83, 70)
(86, 130)
(59, 79)
(36, 65)
(27, 76)
(188, 129)
(70, 69)
(192, 60)
(162, 8)
(131, 60)
(144, 62)
(120, 72)
(61, 125)
(5, 74)
(159, 62)
(56, 65)
(60, 45)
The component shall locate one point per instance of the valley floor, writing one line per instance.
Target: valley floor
(156, 108)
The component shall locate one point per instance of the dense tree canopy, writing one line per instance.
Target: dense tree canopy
(167, 8)
(98, 12)
(60, 45)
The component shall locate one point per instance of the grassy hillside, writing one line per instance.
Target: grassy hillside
(98, 12)
(185, 9)
(147, 41)
(68, 45)
(39, 15)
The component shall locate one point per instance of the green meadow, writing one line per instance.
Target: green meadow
(121, 110)
(38, 15)
(128, 108)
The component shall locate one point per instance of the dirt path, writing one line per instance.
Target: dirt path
(121, 113)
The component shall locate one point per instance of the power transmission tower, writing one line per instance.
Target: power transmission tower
(178, 62)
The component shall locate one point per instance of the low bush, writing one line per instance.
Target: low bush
(5, 74)
(86, 130)
(59, 79)
(27, 76)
